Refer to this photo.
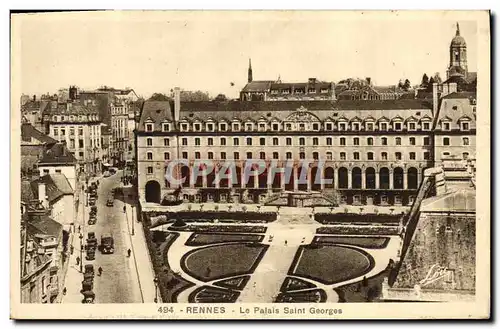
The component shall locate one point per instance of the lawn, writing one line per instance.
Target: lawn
(197, 239)
(331, 264)
(217, 262)
(364, 242)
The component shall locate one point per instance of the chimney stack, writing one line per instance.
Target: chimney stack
(42, 195)
(177, 104)
(34, 98)
(369, 81)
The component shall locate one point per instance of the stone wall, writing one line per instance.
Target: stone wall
(442, 253)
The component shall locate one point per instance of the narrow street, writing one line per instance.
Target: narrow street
(119, 282)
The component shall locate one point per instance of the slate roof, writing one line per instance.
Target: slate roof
(461, 95)
(27, 194)
(42, 224)
(157, 111)
(258, 85)
(57, 154)
(56, 185)
(29, 132)
(74, 109)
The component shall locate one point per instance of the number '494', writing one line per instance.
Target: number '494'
(166, 309)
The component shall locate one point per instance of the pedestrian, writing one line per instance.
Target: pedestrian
(71, 249)
(129, 252)
(64, 291)
(77, 260)
(79, 229)
(100, 271)
(124, 209)
(286, 242)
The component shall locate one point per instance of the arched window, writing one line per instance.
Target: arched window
(369, 141)
(398, 140)
(343, 177)
(302, 141)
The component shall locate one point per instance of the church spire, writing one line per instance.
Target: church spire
(250, 73)
(458, 30)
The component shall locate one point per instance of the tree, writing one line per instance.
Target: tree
(437, 78)
(220, 98)
(194, 96)
(407, 85)
(425, 81)
(159, 97)
(431, 83)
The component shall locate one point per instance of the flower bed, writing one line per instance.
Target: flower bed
(222, 261)
(169, 283)
(197, 239)
(221, 228)
(212, 215)
(326, 218)
(237, 283)
(208, 294)
(292, 284)
(310, 296)
(358, 230)
(364, 242)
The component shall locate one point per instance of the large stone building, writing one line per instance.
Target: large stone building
(79, 127)
(372, 150)
(123, 113)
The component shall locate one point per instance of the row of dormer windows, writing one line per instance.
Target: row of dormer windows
(398, 156)
(72, 118)
(292, 126)
(302, 141)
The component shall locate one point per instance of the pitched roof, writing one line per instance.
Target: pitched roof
(259, 85)
(43, 224)
(157, 111)
(72, 108)
(460, 95)
(27, 194)
(57, 154)
(28, 132)
(56, 185)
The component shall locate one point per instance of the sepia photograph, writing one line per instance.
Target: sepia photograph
(250, 165)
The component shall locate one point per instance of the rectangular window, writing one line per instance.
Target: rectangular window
(262, 141)
(184, 127)
(262, 126)
(315, 126)
(197, 141)
(383, 126)
(288, 155)
(276, 155)
(412, 140)
(398, 155)
(276, 126)
(63, 132)
(80, 154)
(426, 126)
(315, 156)
(236, 126)
(56, 132)
(166, 127)
(446, 126)
(185, 155)
(342, 155)
(149, 127)
(355, 126)
(446, 141)
(249, 127)
(329, 156)
(184, 141)
(288, 126)
(356, 156)
(210, 127)
(166, 156)
(210, 141)
(465, 155)
(262, 155)
(369, 126)
(427, 141)
(275, 141)
(236, 141)
(384, 155)
(210, 155)
(249, 141)
(249, 155)
(315, 141)
(222, 127)
(236, 155)
(150, 170)
(329, 126)
(369, 156)
(328, 141)
(427, 156)
(397, 126)
(223, 155)
(465, 126)
(80, 131)
(413, 156)
(355, 141)
(288, 141)
(411, 126)
(197, 155)
(166, 142)
(150, 155)
(72, 143)
(80, 143)
(197, 127)
(223, 141)
(342, 141)
(342, 126)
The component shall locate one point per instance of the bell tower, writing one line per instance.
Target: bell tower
(458, 56)
(250, 73)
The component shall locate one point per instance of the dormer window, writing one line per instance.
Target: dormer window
(302, 126)
(149, 127)
(342, 126)
(465, 126)
(311, 91)
(288, 126)
(412, 126)
(165, 127)
(210, 126)
(222, 127)
(197, 126)
(426, 126)
(262, 126)
(184, 127)
(276, 126)
(369, 126)
(397, 126)
(355, 126)
(285, 91)
(236, 126)
(274, 92)
(383, 126)
(249, 127)
(329, 126)
(315, 126)
(446, 126)
(324, 91)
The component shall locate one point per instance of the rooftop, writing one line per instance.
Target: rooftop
(57, 154)
(28, 133)
(56, 185)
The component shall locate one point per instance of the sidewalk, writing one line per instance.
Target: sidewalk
(141, 258)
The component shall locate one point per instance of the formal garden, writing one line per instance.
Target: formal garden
(358, 241)
(221, 261)
(308, 296)
(218, 228)
(329, 218)
(208, 294)
(330, 264)
(359, 230)
(201, 239)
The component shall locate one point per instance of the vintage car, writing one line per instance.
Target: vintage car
(92, 220)
(110, 201)
(93, 210)
(89, 268)
(88, 297)
(92, 202)
(90, 254)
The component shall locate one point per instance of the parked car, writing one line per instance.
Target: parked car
(110, 201)
(92, 220)
(89, 268)
(90, 254)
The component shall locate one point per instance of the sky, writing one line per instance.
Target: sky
(156, 51)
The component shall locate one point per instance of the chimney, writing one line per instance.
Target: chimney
(312, 81)
(369, 81)
(42, 195)
(34, 98)
(435, 100)
(177, 104)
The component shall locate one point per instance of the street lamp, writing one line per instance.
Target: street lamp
(156, 288)
(81, 253)
(133, 225)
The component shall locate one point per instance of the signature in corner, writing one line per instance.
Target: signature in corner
(435, 273)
